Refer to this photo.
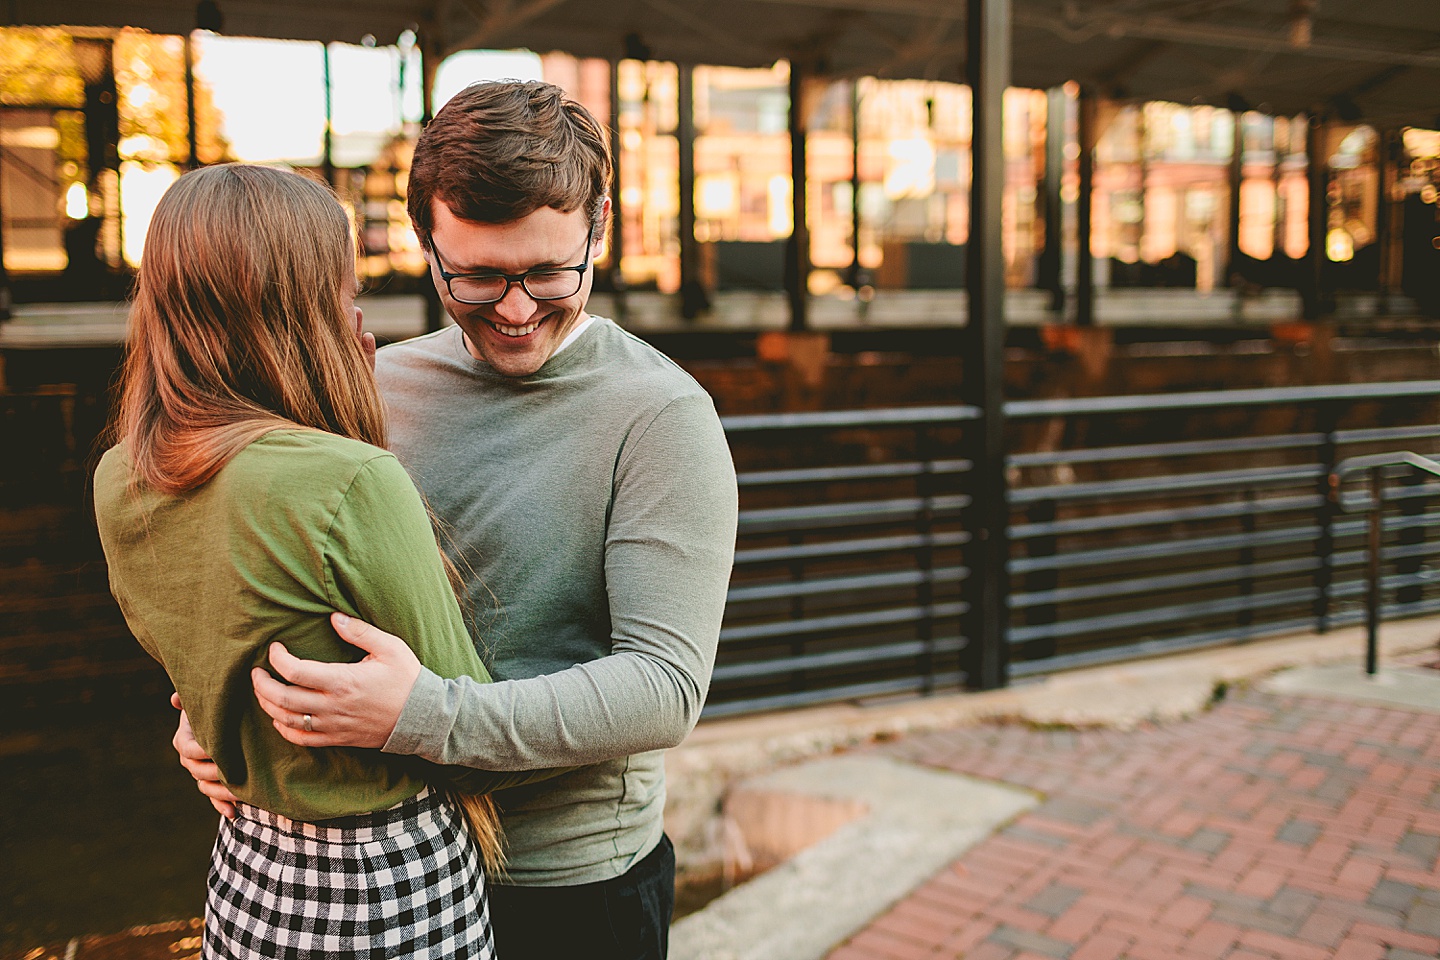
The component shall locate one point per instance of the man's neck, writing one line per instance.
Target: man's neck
(574, 334)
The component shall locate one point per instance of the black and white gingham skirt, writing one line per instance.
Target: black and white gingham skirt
(404, 882)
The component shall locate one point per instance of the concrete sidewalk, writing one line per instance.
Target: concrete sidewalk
(1186, 809)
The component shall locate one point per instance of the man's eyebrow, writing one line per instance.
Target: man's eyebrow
(486, 269)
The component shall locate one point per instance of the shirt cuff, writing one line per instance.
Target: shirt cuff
(418, 716)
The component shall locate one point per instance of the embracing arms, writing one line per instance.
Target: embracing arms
(668, 549)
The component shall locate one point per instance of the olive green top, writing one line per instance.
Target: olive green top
(298, 524)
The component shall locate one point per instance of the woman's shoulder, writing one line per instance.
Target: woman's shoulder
(111, 481)
(114, 465)
(303, 453)
(309, 463)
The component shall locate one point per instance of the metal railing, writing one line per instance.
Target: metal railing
(848, 567)
(1138, 525)
(1373, 504)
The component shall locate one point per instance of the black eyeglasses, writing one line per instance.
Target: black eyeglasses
(540, 283)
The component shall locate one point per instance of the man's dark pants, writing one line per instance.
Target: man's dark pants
(627, 918)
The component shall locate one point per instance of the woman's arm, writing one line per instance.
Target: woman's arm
(667, 565)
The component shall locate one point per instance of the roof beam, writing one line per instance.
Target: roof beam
(1218, 35)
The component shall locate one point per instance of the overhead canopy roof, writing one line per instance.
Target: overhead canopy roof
(1371, 60)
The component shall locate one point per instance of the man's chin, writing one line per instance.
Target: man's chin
(520, 358)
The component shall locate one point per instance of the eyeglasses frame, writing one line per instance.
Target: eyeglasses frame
(511, 279)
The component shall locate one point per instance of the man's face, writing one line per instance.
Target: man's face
(516, 334)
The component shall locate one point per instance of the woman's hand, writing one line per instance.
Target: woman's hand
(367, 340)
(340, 704)
(199, 765)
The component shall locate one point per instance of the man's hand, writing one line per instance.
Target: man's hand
(340, 704)
(199, 765)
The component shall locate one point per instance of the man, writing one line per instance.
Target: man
(588, 492)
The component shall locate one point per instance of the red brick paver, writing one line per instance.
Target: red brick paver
(1270, 828)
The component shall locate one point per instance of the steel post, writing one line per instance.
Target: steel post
(1237, 181)
(327, 150)
(797, 251)
(6, 296)
(856, 277)
(617, 199)
(693, 299)
(1385, 164)
(1052, 207)
(1084, 206)
(1372, 592)
(988, 555)
(430, 56)
(192, 135)
(1316, 148)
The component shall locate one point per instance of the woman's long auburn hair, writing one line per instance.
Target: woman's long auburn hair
(240, 325)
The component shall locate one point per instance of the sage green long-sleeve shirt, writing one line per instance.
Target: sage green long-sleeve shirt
(594, 504)
(298, 524)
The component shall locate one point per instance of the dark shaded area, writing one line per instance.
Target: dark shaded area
(100, 828)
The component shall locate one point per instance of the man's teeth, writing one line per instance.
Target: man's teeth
(516, 331)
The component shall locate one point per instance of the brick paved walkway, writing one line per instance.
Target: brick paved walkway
(1270, 827)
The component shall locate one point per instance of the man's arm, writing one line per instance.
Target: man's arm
(668, 555)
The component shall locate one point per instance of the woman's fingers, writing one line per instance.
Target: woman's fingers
(198, 764)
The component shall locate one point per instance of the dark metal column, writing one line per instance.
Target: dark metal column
(797, 250)
(856, 276)
(96, 59)
(1237, 178)
(986, 622)
(1317, 214)
(430, 57)
(429, 63)
(1052, 209)
(1084, 205)
(6, 298)
(1385, 164)
(327, 155)
(1277, 177)
(617, 203)
(192, 135)
(693, 299)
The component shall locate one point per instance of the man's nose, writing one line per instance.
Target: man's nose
(516, 306)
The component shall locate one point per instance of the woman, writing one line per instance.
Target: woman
(247, 497)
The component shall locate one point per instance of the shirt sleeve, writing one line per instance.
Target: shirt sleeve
(669, 547)
(383, 565)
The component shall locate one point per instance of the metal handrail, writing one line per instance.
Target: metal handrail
(1221, 399)
(1374, 464)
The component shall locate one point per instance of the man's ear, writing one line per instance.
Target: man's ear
(602, 222)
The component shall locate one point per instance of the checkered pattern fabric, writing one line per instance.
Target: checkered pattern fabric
(405, 882)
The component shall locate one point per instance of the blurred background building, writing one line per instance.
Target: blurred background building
(96, 123)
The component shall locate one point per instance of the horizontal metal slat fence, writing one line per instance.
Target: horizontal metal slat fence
(848, 568)
(1214, 527)
(1158, 523)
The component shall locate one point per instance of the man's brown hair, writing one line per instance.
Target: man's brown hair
(498, 151)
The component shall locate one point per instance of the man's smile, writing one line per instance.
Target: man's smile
(512, 331)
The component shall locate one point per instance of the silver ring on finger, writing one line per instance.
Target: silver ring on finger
(309, 727)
